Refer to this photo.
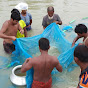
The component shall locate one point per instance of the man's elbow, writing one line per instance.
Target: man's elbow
(60, 70)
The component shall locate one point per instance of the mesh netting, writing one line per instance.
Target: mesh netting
(27, 47)
(59, 38)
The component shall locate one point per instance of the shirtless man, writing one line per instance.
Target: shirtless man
(9, 30)
(42, 65)
(81, 31)
(86, 42)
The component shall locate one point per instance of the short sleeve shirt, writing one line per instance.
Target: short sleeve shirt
(26, 18)
(46, 21)
(83, 79)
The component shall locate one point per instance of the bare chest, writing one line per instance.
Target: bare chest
(11, 30)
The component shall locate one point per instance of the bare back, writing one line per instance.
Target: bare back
(43, 66)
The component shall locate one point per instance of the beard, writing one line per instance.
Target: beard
(50, 17)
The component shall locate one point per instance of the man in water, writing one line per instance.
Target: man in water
(9, 31)
(86, 42)
(81, 58)
(81, 31)
(22, 25)
(51, 17)
(42, 65)
(25, 15)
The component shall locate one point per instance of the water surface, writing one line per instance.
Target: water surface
(68, 10)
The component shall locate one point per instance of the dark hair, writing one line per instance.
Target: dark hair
(80, 28)
(15, 14)
(15, 10)
(81, 52)
(44, 44)
(50, 8)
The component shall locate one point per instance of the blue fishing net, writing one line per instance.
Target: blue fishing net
(59, 38)
(3, 62)
(27, 47)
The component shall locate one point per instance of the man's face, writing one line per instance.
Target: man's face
(15, 22)
(50, 13)
(24, 11)
(76, 60)
(79, 34)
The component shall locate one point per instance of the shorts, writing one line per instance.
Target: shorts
(9, 48)
(37, 84)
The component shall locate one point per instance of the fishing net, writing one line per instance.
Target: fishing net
(59, 37)
(28, 47)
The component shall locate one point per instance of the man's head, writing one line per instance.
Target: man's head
(50, 11)
(80, 29)
(22, 7)
(44, 44)
(81, 54)
(15, 16)
(15, 10)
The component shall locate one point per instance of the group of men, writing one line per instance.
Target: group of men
(44, 64)
(10, 27)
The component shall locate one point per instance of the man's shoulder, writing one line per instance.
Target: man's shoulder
(53, 57)
(56, 15)
(29, 14)
(45, 17)
(6, 23)
(35, 58)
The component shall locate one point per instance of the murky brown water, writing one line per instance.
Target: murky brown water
(19, 73)
(68, 10)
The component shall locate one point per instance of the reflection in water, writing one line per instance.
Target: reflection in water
(67, 10)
